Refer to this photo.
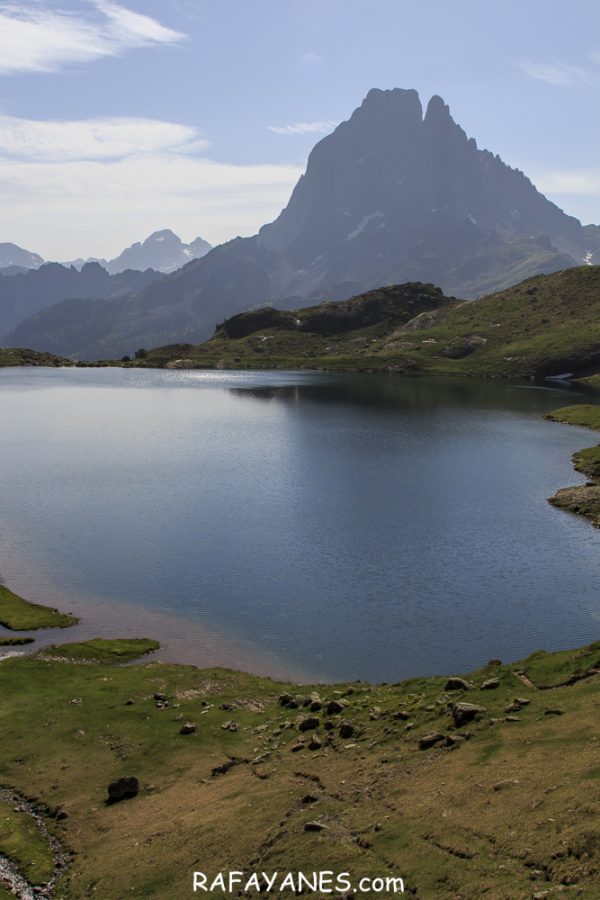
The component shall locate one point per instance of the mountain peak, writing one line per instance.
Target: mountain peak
(165, 234)
(437, 109)
(394, 103)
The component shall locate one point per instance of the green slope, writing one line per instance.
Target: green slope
(547, 325)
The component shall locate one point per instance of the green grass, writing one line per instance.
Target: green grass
(582, 499)
(588, 462)
(25, 845)
(17, 357)
(586, 415)
(547, 325)
(102, 650)
(18, 614)
(66, 731)
(15, 641)
(548, 669)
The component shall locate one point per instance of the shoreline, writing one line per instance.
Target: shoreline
(182, 641)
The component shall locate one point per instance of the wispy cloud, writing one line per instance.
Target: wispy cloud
(311, 61)
(109, 138)
(110, 181)
(584, 182)
(305, 127)
(34, 38)
(558, 73)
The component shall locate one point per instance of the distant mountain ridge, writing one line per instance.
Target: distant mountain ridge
(25, 294)
(391, 196)
(12, 256)
(162, 251)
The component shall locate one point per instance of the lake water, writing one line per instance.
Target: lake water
(317, 526)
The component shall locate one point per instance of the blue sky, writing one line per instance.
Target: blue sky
(119, 118)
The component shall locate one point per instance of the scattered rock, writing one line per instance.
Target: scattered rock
(491, 684)
(522, 701)
(513, 707)
(284, 699)
(374, 713)
(309, 798)
(457, 684)
(430, 740)
(455, 740)
(162, 697)
(335, 707)
(329, 726)
(188, 728)
(297, 747)
(346, 730)
(230, 726)
(466, 712)
(503, 785)
(316, 743)
(314, 826)
(512, 719)
(553, 711)
(308, 723)
(129, 702)
(401, 714)
(228, 707)
(227, 765)
(316, 705)
(123, 789)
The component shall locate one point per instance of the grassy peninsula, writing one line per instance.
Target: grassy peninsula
(10, 356)
(18, 614)
(582, 499)
(546, 325)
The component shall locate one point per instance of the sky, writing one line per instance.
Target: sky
(121, 118)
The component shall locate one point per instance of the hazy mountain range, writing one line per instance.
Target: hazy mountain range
(163, 251)
(25, 294)
(392, 195)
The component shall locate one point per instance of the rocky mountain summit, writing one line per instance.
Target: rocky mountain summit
(393, 195)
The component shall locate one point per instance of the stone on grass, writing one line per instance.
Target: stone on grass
(457, 684)
(123, 789)
(466, 712)
(346, 730)
(188, 728)
(308, 723)
(430, 740)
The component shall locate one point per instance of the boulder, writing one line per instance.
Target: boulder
(346, 730)
(466, 712)
(457, 684)
(335, 707)
(314, 826)
(230, 726)
(430, 740)
(308, 723)
(123, 789)
(188, 728)
(491, 684)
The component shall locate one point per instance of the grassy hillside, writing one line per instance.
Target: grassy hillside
(547, 325)
(374, 780)
(18, 357)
